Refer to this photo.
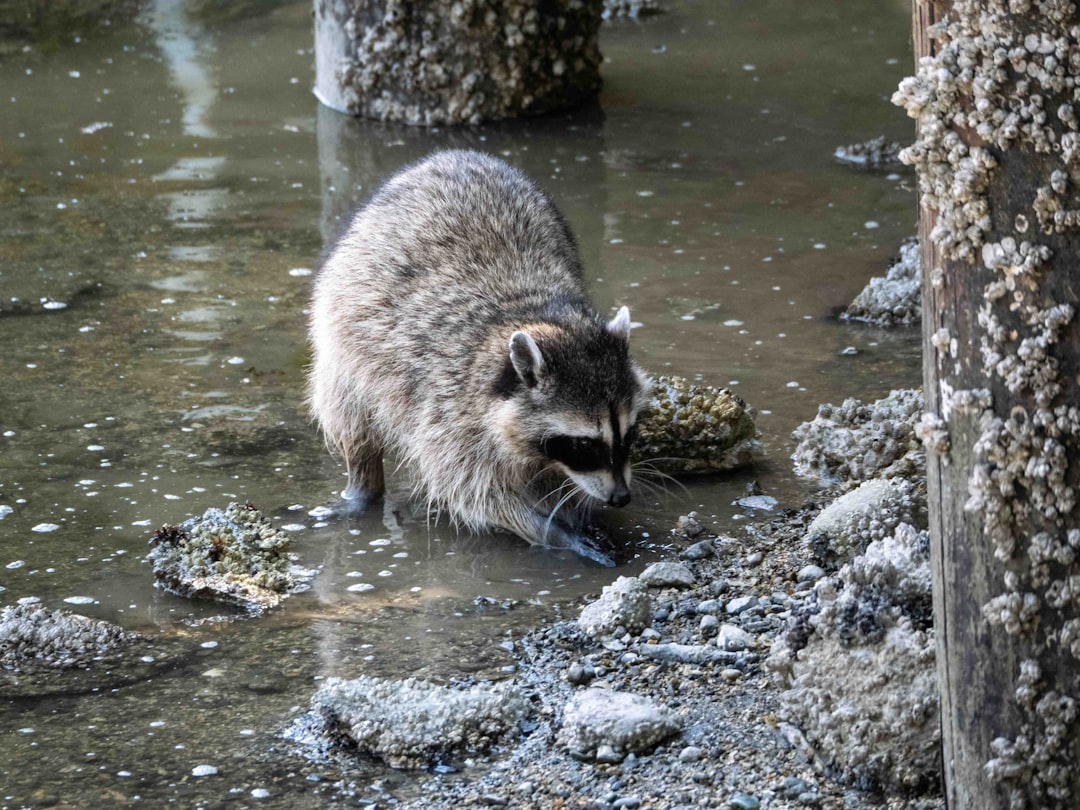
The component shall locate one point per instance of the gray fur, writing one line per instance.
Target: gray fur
(452, 328)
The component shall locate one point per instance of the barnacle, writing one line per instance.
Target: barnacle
(235, 555)
(689, 428)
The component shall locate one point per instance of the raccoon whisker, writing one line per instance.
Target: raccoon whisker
(645, 470)
(574, 491)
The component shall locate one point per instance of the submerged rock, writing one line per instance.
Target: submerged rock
(856, 442)
(876, 153)
(895, 299)
(689, 428)
(631, 8)
(859, 671)
(411, 723)
(606, 725)
(233, 555)
(34, 635)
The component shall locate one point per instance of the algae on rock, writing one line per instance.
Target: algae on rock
(233, 555)
(688, 428)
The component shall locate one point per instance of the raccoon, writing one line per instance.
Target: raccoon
(451, 328)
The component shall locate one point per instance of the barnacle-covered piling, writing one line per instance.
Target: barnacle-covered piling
(690, 428)
(233, 555)
(430, 62)
(998, 158)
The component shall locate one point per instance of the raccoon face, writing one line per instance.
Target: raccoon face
(580, 395)
(596, 459)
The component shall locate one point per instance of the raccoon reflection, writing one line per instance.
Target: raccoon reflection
(452, 328)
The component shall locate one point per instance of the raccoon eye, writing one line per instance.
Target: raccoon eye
(579, 453)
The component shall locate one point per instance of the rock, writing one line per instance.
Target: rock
(856, 442)
(740, 604)
(687, 654)
(733, 639)
(709, 606)
(870, 512)
(691, 754)
(410, 723)
(630, 8)
(743, 801)
(624, 603)
(699, 551)
(605, 722)
(687, 428)
(689, 526)
(896, 298)
(810, 573)
(709, 625)
(32, 635)
(860, 675)
(876, 153)
(668, 575)
(233, 555)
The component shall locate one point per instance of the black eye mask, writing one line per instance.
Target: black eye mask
(579, 453)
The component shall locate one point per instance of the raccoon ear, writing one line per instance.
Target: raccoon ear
(526, 357)
(619, 326)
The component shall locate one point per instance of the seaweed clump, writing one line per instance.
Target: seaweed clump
(689, 428)
(233, 555)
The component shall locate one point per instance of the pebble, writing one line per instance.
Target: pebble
(810, 573)
(628, 802)
(691, 754)
(493, 800)
(204, 770)
(740, 604)
(744, 801)
(708, 606)
(730, 674)
(708, 625)
(699, 551)
(733, 638)
(668, 575)
(754, 559)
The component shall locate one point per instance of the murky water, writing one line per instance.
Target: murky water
(166, 190)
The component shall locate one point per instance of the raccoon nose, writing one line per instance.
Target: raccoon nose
(620, 496)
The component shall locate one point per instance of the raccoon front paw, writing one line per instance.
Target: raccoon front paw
(356, 499)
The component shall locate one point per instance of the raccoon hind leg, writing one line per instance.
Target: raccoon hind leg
(362, 450)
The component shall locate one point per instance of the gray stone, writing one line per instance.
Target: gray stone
(411, 723)
(687, 654)
(668, 575)
(740, 604)
(699, 551)
(733, 639)
(869, 512)
(743, 801)
(810, 573)
(624, 603)
(605, 723)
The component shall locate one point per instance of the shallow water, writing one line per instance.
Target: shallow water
(166, 190)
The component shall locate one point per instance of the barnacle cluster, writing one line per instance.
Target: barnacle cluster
(856, 442)
(876, 153)
(411, 723)
(466, 62)
(858, 667)
(689, 428)
(869, 513)
(1003, 82)
(895, 298)
(34, 635)
(234, 555)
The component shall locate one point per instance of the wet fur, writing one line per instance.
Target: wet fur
(414, 328)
